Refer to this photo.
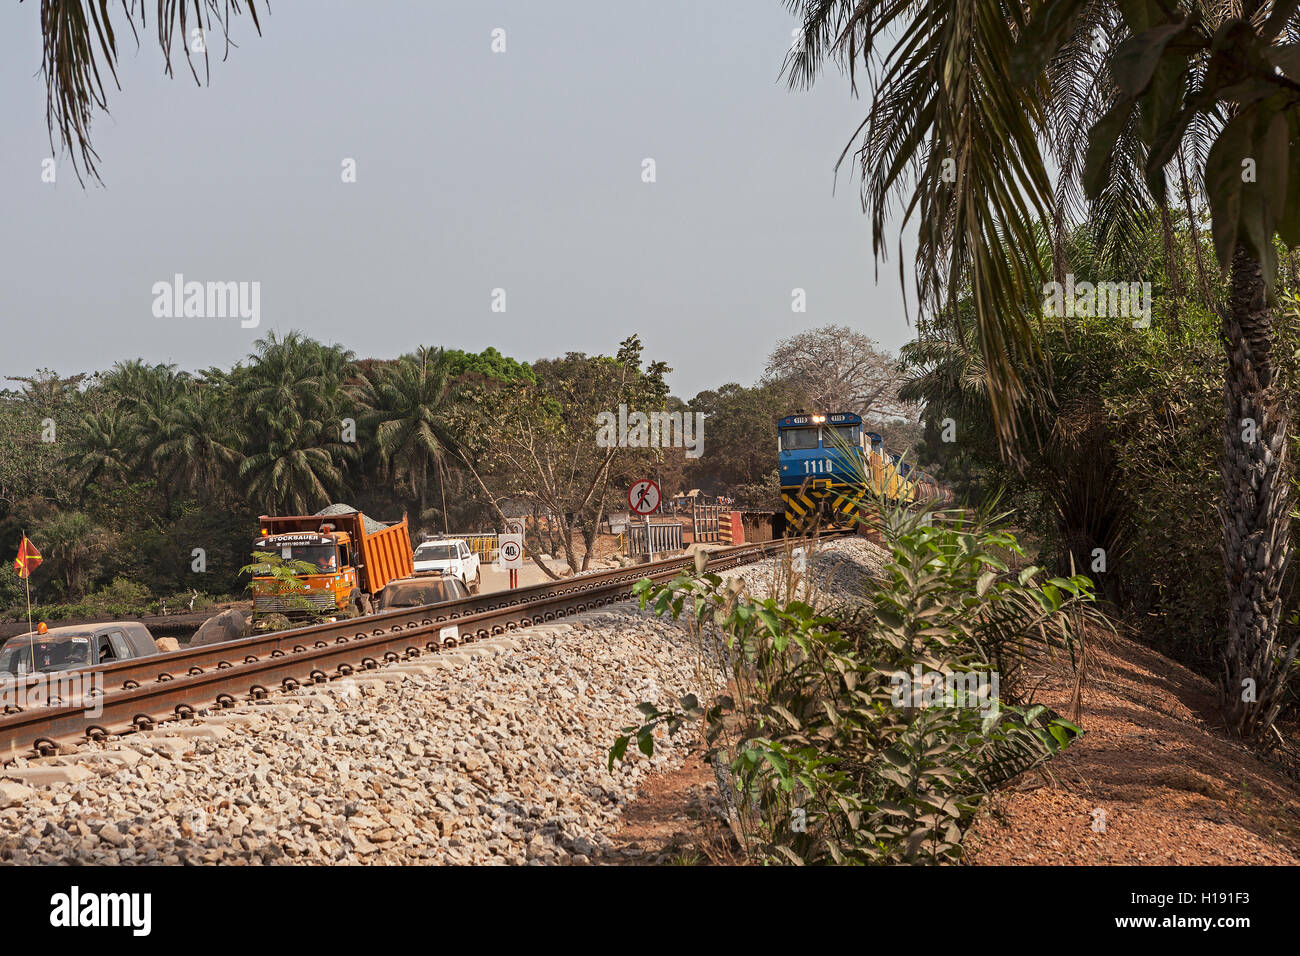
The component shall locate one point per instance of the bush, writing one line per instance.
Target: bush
(121, 598)
(839, 744)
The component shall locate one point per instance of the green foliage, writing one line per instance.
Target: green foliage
(282, 577)
(830, 760)
(1125, 460)
(412, 405)
(488, 365)
(122, 598)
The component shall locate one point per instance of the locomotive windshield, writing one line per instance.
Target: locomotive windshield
(798, 439)
(850, 435)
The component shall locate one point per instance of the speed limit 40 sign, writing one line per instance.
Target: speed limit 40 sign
(510, 551)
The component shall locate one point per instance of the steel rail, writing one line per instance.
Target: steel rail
(177, 684)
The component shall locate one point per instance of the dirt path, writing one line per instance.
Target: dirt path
(676, 819)
(1167, 785)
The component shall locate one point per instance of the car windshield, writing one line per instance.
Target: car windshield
(798, 439)
(435, 552)
(324, 556)
(58, 654)
(417, 595)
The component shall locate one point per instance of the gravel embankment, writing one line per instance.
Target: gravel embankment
(500, 758)
(488, 753)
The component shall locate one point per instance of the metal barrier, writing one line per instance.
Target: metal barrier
(704, 523)
(664, 536)
(483, 545)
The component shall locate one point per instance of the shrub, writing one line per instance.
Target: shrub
(121, 598)
(834, 752)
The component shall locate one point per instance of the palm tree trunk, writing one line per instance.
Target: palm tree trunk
(1256, 522)
(1207, 295)
(442, 488)
(1172, 265)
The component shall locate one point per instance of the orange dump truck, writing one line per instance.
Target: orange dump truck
(355, 557)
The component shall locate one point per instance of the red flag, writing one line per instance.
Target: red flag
(28, 560)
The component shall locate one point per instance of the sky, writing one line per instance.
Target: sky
(475, 171)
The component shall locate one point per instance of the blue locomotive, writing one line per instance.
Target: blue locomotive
(828, 464)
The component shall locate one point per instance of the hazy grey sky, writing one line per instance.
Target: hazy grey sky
(475, 171)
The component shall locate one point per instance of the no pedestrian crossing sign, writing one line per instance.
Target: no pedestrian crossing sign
(643, 497)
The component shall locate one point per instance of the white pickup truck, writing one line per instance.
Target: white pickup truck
(451, 558)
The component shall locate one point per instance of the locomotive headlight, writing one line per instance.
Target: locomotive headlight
(819, 418)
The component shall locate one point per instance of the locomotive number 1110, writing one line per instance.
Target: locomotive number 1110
(817, 466)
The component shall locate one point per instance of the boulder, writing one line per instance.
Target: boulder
(166, 644)
(229, 625)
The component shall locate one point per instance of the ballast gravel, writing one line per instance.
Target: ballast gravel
(490, 753)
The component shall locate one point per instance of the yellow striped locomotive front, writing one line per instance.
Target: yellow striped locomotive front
(827, 503)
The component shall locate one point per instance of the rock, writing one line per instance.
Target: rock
(167, 644)
(48, 775)
(229, 625)
(13, 793)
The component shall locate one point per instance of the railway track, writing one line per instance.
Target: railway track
(139, 694)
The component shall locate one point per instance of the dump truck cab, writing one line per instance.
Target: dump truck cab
(331, 589)
(352, 556)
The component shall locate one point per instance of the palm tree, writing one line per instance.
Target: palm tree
(73, 543)
(292, 474)
(200, 447)
(79, 37)
(98, 448)
(412, 402)
(291, 395)
(968, 97)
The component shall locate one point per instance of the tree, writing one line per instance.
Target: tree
(72, 542)
(293, 395)
(488, 365)
(200, 445)
(536, 445)
(79, 36)
(836, 369)
(411, 404)
(965, 101)
(99, 450)
(741, 429)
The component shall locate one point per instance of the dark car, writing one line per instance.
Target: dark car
(417, 592)
(76, 646)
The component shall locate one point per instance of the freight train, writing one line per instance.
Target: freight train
(829, 464)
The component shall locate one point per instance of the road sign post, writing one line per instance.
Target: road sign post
(643, 498)
(510, 552)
